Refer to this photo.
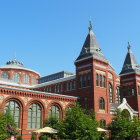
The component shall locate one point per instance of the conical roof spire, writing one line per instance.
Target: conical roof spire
(130, 64)
(91, 47)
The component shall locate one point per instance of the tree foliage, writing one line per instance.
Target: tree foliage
(7, 125)
(123, 127)
(78, 125)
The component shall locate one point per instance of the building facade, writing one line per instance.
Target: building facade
(94, 85)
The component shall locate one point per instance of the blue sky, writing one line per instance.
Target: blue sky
(47, 35)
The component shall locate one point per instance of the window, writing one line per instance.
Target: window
(54, 112)
(138, 90)
(33, 80)
(84, 81)
(97, 80)
(101, 103)
(34, 116)
(5, 75)
(89, 79)
(104, 81)
(132, 91)
(71, 85)
(67, 86)
(110, 93)
(118, 98)
(16, 77)
(15, 110)
(101, 81)
(81, 80)
(103, 124)
(26, 78)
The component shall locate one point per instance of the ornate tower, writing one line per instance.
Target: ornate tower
(130, 80)
(94, 74)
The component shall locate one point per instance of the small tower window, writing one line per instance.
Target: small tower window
(89, 79)
(138, 90)
(97, 79)
(104, 81)
(118, 98)
(81, 78)
(101, 103)
(110, 93)
(101, 80)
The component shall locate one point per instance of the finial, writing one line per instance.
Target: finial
(128, 47)
(90, 25)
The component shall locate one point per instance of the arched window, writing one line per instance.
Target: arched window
(97, 79)
(5, 75)
(16, 77)
(26, 78)
(118, 98)
(15, 110)
(54, 112)
(34, 116)
(33, 80)
(101, 80)
(101, 103)
(110, 93)
(103, 124)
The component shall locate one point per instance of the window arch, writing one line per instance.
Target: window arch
(5, 75)
(15, 110)
(97, 79)
(16, 77)
(54, 112)
(118, 98)
(34, 116)
(101, 103)
(103, 124)
(110, 94)
(26, 78)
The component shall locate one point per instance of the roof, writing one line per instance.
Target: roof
(130, 64)
(91, 47)
(39, 92)
(55, 76)
(14, 65)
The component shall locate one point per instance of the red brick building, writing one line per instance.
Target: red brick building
(95, 85)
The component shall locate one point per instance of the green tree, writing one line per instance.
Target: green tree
(7, 125)
(53, 123)
(135, 127)
(121, 126)
(78, 125)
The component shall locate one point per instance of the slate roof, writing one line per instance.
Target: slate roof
(91, 47)
(130, 64)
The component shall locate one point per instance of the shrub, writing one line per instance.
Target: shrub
(19, 138)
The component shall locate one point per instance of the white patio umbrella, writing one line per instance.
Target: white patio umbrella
(46, 130)
(101, 129)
